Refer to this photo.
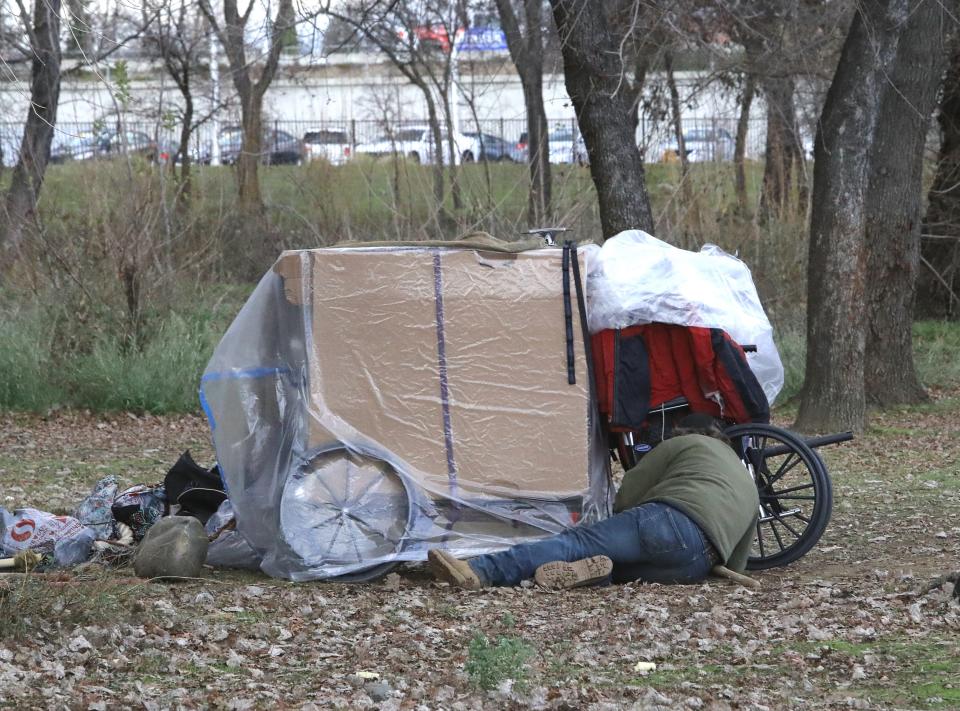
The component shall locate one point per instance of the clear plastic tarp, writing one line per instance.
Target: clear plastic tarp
(635, 278)
(369, 403)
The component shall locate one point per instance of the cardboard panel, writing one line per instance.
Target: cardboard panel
(454, 360)
(374, 349)
(517, 423)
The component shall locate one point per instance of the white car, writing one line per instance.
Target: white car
(566, 146)
(703, 144)
(331, 145)
(416, 143)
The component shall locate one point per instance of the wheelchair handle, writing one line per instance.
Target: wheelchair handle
(812, 442)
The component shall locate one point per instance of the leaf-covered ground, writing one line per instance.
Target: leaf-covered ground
(845, 627)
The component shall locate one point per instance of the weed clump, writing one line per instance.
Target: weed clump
(491, 663)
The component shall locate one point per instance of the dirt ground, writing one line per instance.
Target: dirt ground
(847, 626)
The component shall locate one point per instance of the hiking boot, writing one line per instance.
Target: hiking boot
(560, 575)
(450, 569)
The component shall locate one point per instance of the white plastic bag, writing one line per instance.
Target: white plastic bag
(635, 278)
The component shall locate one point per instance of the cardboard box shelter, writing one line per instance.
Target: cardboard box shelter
(372, 402)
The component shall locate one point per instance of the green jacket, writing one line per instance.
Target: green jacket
(702, 477)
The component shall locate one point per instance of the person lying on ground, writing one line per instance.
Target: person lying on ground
(689, 505)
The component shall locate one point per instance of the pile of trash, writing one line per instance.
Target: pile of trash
(165, 530)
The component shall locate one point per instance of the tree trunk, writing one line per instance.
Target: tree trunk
(452, 150)
(740, 147)
(186, 130)
(81, 32)
(677, 120)
(538, 153)
(232, 35)
(603, 100)
(527, 55)
(893, 206)
(833, 393)
(781, 145)
(938, 283)
(437, 164)
(20, 202)
(248, 162)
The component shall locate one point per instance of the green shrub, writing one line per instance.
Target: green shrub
(937, 352)
(792, 346)
(48, 359)
(490, 664)
(162, 376)
(28, 375)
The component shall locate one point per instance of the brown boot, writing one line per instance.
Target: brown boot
(450, 569)
(560, 575)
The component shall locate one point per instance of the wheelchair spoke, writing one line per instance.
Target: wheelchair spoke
(789, 463)
(783, 522)
(325, 521)
(333, 538)
(776, 534)
(365, 490)
(779, 493)
(333, 497)
(777, 497)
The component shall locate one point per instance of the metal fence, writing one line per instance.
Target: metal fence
(705, 138)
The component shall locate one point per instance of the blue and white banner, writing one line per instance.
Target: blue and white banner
(482, 39)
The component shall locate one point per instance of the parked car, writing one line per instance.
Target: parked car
(129, 143)
(331, 145)
(416, 143)
(104, 143)
(9, 149)
(277, 147)
(66, 147)
(566, 146)
(492, 148)
(703, 144)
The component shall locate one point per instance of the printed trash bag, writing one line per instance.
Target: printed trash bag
(61, 538)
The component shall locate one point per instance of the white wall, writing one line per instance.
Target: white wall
(361, 91)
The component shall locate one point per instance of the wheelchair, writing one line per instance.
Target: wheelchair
(796, 495)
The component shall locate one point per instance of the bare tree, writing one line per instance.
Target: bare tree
(740, 143)
(20, 202)
(250, 86)
(81, 28)
(785, 43)
(418, 39)
(676, 119)
(894, 201)
(526, 50)
(784, 152)
(605, 102)
(833, 393)
(178, 37)
(938, 284)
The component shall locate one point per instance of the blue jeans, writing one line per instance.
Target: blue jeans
(652, 543)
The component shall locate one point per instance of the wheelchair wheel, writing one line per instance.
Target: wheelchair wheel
(796, 496)
(342, 509)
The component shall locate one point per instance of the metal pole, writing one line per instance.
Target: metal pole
(214, 99)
